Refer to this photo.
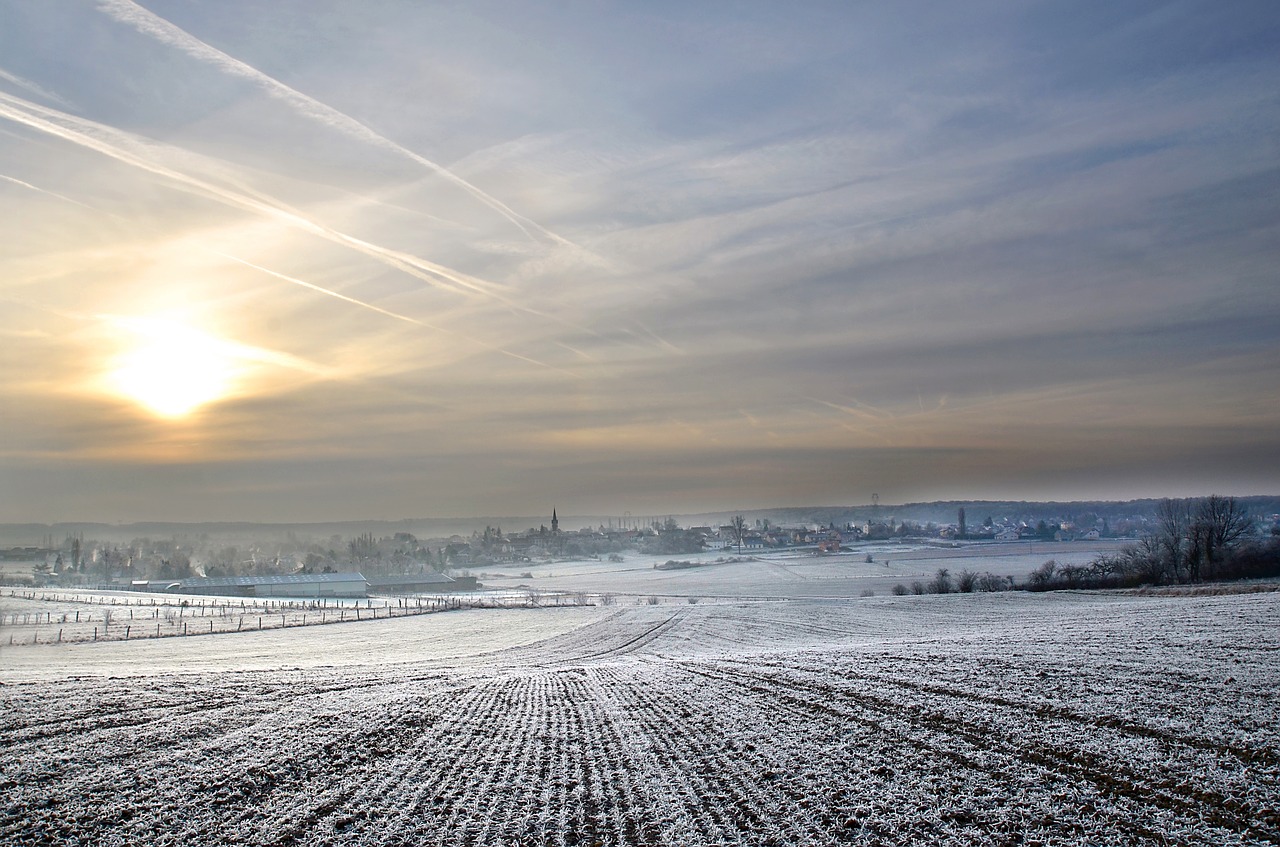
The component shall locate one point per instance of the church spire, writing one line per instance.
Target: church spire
(555, 522)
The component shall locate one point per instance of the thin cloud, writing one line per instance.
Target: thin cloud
(239, 350)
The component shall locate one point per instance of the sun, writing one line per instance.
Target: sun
(171, 369)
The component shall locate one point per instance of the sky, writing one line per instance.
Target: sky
(309, 260)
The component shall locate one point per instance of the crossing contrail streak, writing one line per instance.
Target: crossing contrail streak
(40, 190)
(327, 291)
(364, 304)
(32, 87)
(294, 280)
(111, 142)
(149, 23)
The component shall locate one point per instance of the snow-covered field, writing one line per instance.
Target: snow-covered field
(789, 573)
(956, 719)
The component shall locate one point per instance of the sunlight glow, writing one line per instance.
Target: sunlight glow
(172, 369)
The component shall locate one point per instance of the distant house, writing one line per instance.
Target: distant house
(1008, 534)
(293, 585)
(1092, 535)
(458, 551)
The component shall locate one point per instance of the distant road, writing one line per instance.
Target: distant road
(991, 549)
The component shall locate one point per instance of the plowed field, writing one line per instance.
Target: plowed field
(958, 719)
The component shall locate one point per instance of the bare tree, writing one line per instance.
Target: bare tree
(1173, 536)
(990, 582)
(739, 529)
(1219, 524)
(1042, 577)
(1191, 541)
(1146, 560)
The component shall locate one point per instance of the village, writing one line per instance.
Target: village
(400, 562)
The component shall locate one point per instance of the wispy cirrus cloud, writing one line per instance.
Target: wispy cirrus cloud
(794, 255)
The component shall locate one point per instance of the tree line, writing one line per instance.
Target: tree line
(1192, 540)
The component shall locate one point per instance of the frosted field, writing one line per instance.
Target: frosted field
(789, 573)
(956, 719)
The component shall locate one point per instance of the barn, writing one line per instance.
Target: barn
(293, 585)
(420, 583)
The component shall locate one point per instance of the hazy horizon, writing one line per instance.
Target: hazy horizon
(930, 510)
(316, 262)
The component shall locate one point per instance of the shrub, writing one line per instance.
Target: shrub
(900, 589)
(990, 582)
(1041, 578)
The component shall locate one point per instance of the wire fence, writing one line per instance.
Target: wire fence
(30, 617)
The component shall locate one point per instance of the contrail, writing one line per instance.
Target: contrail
(87, 134)
(576, 351)
(149, 23)
(40, 190)
(424, 324)
(877, 415)
(660, 340)
(326, 291)
(32, 87)
(364, 304)
(99, 137)
(286, 278)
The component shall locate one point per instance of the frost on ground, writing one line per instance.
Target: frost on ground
(957, 719)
